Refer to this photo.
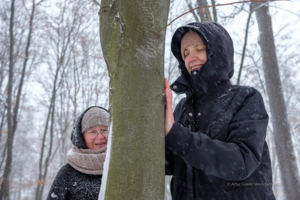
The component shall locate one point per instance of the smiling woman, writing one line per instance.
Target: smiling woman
(193, 51)
(215, 140)
(85, 160)
(96, 137)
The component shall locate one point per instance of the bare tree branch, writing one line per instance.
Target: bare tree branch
(226, 4)
(96, 2)
(193, 12)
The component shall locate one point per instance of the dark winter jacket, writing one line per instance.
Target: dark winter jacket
(70, 184)
(216, 149)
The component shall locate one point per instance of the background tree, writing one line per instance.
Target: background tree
(9, 142)
(281, 126)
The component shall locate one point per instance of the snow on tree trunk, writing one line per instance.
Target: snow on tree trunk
(280, 122)
(134, 55)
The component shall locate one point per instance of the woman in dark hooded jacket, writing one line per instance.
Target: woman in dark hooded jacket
(215, 141)
(81, 177)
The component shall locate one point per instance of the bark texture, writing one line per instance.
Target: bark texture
(9, 141)
(203, 12)
(245, 45)
(279, 117)
(134, 55)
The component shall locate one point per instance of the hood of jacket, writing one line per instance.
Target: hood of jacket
(76, 136)
(219, 65)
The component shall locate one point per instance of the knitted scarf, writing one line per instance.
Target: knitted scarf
(87, 161)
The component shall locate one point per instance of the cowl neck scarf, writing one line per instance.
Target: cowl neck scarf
(87, 161)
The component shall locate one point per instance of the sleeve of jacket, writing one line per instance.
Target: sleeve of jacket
(237, 157)
(59, 189)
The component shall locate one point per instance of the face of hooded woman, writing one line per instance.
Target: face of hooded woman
(96, 137)
(193, 51)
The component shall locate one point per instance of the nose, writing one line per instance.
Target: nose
(192, 57)
(99, 137)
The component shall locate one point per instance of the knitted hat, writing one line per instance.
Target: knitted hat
(94, 117)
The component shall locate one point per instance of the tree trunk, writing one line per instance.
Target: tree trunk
(203, 12)
(213, 3)
(191, 8)
(245, 45)
(9, 141)
(280, 122)
(134, 55)
(44, 166)
(18, 99)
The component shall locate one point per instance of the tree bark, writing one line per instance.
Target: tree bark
(279, 117)
(191, 8)
(43, 167)
(9, 141)
(16, 108)
(203, 12)
(134, 55)
(214, 11)
(244, 47)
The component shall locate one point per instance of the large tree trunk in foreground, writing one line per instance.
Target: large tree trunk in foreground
(280, 122)
(134, 55)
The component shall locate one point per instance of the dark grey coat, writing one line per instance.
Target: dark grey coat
(216, 149)
(70, 184)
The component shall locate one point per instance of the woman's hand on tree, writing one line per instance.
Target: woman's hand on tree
(169, 119)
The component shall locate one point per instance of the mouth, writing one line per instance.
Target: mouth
(196, 67)
(100, 144)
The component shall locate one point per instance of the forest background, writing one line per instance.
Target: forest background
(52, 68)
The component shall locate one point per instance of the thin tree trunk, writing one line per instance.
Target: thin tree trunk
(3, 156)
(214, 11)
(39, 182)
(203, 12)
(191, 8)
(42, 165)
(16, 108)
(46, 164)
(14, 116)
(134, 55)
(244, 47)
(9, 142)
(280, 122)
(2, 123)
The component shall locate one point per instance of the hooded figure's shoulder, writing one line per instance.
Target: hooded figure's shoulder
(246, 95)
(245, 90)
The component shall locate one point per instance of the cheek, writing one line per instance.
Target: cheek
(88, 142)
(186, 64)
(204, 56)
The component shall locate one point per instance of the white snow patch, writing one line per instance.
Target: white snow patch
(71, 152)
(106, 164)
(53, 195)
(149, 51)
